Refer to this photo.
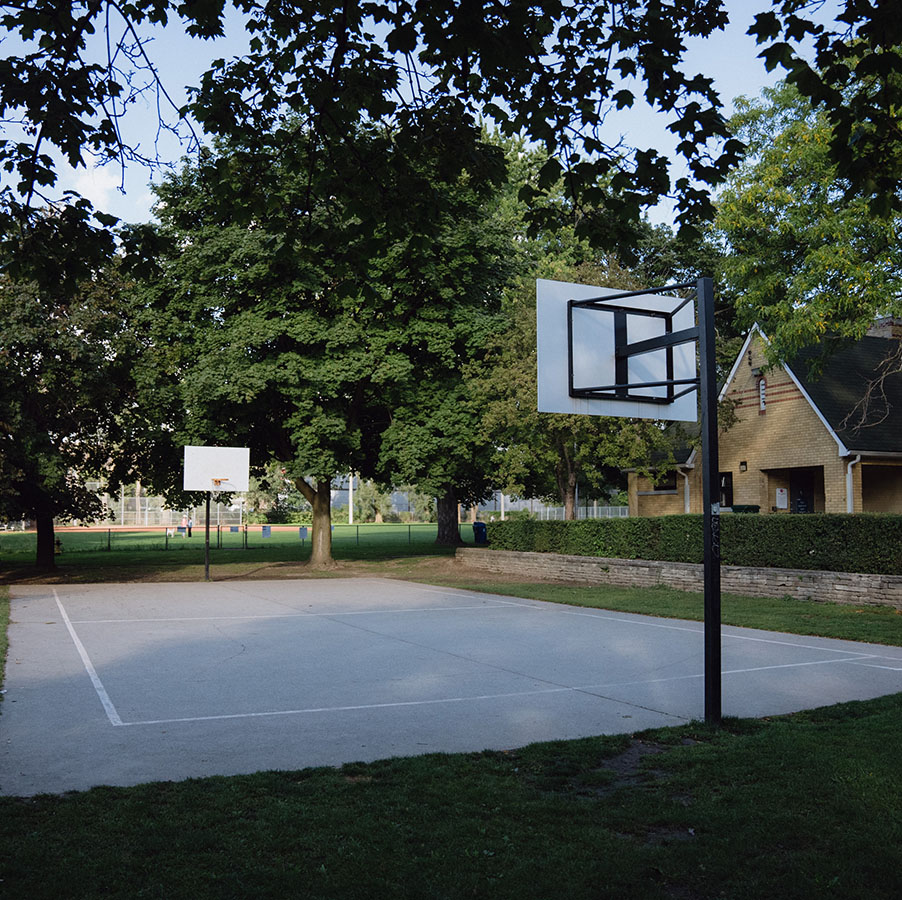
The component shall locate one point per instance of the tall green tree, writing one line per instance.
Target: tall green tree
(301, 332)
(434, 438)
(65, 378)
(807, 258)
(543, 454)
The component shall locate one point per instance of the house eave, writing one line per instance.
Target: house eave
(886, 454)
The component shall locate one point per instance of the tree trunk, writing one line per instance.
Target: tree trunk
(570, 497)
(565, 475)
(46, 547)
(320, 499)
(446, 513)
(321, 539)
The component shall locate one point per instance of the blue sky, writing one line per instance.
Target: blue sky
(729, 57)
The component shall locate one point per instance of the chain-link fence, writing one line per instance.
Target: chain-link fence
(145, 512)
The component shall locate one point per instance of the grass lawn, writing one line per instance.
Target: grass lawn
(101, 546)
(874, 624)
(800, 806)
(797, 807)
(137, 555)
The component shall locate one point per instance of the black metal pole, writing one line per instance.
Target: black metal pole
(207, 540)
(710, 498)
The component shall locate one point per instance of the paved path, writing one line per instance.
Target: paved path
(122, 684)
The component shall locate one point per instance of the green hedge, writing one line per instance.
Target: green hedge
(835, 543)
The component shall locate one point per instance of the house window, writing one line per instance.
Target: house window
(762, 396)
(667, 484)
(726, 489)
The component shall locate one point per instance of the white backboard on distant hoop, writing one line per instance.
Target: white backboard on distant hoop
(217, 468)
(584, 337)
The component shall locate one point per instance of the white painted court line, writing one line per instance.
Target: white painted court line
(817, 662)
(360, 707)
(102, 695)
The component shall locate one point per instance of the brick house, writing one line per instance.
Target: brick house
(795, 446)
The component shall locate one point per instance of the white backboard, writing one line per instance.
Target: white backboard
(593, 353)
(217, 468)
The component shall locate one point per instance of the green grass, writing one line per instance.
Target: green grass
(874, 624)
(137, 555)
(90, 546)
(797, 807)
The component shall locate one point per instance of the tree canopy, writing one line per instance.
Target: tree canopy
(65, 377)
(552, 71)
(302, 334)
(853, 75)
(808, 260)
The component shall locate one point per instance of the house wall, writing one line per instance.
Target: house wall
(646, 501)
(783, 445)
(880, 487)
(787, 434)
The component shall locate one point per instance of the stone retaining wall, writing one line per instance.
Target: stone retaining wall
(836, 587)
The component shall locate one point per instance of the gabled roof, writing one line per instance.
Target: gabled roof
(840, 386)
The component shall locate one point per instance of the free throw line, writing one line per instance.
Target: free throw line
(102, 695)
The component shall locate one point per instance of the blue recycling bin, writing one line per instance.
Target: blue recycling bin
(480, 535)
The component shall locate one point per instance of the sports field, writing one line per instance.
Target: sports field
(286, 541)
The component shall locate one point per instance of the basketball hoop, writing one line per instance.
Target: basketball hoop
(616, 353)
(200, 462)
(605, 352)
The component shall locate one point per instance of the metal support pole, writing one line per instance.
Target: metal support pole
(710, 498)
(207, 540)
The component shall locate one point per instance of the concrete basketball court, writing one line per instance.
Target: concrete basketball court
(123, 684)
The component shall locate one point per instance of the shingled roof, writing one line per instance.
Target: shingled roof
(842, 384)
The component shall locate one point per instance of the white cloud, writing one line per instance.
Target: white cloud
(100, 186)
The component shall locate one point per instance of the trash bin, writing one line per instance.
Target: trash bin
(480, 535)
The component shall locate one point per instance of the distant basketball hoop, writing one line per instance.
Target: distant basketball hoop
(232, 468)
